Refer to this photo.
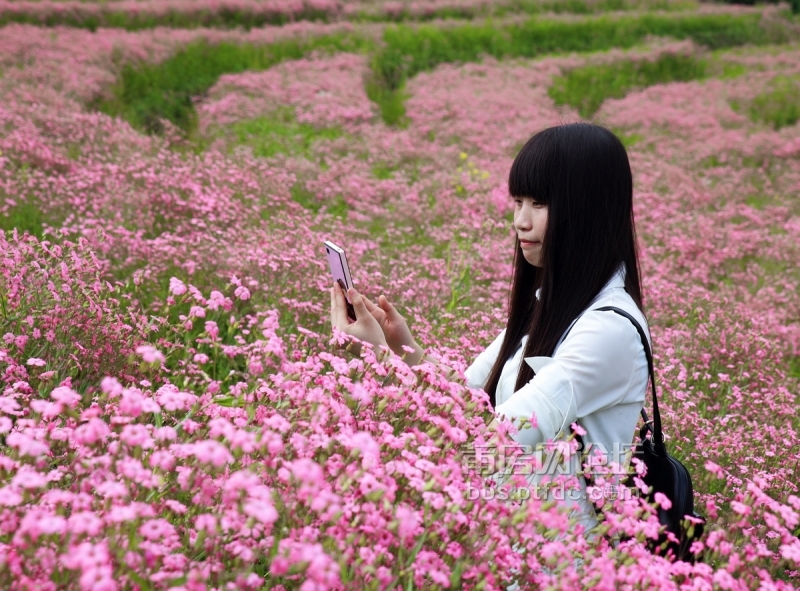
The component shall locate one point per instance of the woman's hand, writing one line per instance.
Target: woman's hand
(395, 329)
(365, 328)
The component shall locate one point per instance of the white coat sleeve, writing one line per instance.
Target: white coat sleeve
(591, 370)
(479, 371)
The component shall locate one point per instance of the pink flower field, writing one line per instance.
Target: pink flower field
(176, 412)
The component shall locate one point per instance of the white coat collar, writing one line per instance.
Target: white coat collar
(617, 280)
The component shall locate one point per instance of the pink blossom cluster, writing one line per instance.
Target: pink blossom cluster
(174, 412)
(77, 12)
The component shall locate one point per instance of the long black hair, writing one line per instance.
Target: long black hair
(582, 173)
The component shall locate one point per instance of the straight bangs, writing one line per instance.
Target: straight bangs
(533, 171)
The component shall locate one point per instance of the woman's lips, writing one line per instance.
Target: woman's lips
(529, 244)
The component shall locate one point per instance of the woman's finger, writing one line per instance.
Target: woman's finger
(376, 311)
(370, 304)
(388, 308)
(338, 308)
(358, 303)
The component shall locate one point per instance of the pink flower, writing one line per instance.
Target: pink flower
(663, 500)
(132, 403)
(175, 506)
(8, 405)
(28, 478)
(791, 551)
(40, 522)
(262, 510)
(171, 399)
(212, 329)
(715, 469)
(176, 286)
(36, 362)
(307, 470)
(216, 300)
(577, 428)
(212, 452)
(25, 445)
(165, 434)
(66, 396)
(741, 508)
(136, 436)
(255, 367)
(207, 523)
(150, 354)
(407, 521)
(91, 432)
(242, 293)
(111, 386)
(157, 529)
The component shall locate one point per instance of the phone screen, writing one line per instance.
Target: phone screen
(341, 272)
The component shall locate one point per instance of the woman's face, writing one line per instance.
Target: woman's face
(530, 223)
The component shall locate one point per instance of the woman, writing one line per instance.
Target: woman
(575, 252)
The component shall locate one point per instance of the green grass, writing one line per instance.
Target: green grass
(147, 93)
(586, 88)
(230, 18)
(281, 133)
(382, 171)
(25, 217)
(778, 105)
(336, 206)
(794, 366)
(629, 140)
(390, 101)
(224, 18)
(409, 50)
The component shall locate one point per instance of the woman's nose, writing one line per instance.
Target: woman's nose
(522, 222)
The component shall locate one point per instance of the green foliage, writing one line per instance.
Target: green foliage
(230, 18)
(305, 197)
(147, 93)
(382, 171)
(586, 88)
(410, 50)
(280, 133)
(731, 70)
(224, 17)
(630, 140)
(25, 217)
(794, 366)
(336, 206)
(391, 101)
(778, 105)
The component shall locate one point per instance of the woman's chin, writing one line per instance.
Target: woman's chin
(533, 260)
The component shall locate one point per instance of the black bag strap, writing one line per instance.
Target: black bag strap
(658, 436)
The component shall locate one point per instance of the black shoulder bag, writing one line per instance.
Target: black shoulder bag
(664, 474)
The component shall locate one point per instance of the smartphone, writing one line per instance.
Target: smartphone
(341, 273)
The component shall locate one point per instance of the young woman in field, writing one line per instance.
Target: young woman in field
(575, 252)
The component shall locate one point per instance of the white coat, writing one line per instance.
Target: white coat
(597, 376)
